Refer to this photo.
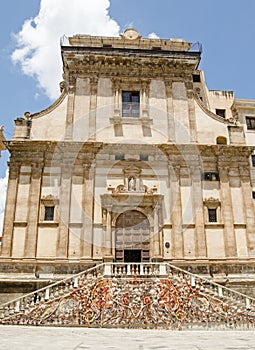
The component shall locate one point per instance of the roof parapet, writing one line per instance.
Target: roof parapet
(130, 39)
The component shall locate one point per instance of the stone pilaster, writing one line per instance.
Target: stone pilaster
(70, 113)
(33, 210)
(227, 213)
(170, 111)
(192, 114)
(144, 100)
(176, 212)
(10, 207)
(156, 248)
(116, 96)
(88, 213)
(92, 107)
(248, 206)
(198, 212)
(108, 233)
(64, 209)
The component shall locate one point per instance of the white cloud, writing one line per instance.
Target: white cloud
(3, 188)
(38, 42)
(153, 36)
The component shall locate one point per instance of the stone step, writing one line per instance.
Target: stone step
(133, 296)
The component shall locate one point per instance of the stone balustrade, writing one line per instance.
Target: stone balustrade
(136, 295)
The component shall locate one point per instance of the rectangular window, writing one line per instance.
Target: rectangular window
(119, 157)
(144, 157)
(49, 213)
(212, 215)
(253, 194)
(221, 112)
(130, 104)
(253, 160)
(210, 176)
(196, 78)
(250, 122)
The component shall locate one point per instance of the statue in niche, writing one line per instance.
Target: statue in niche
(132, 184)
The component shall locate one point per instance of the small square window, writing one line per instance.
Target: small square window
(250, 122)
(144, 157)
(221, 112)
(212, 215)
(119, 156)
(196, 78)
(49, 213)
(210, 176)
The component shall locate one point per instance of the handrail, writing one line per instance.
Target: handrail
(110, 272)
(63, 281)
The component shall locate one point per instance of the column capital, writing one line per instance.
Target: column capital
(93, 85)
(14, 169)
(36, 169)
(244, 171)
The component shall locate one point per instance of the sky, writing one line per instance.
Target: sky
(30, 61)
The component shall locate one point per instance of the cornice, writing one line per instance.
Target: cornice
(130, 65)
(230, 121)
(52, 107)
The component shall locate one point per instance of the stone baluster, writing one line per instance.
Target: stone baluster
(47, 294)
(76, 282)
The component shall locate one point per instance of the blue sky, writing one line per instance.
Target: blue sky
(224, 27)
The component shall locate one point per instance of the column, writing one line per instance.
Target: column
(156, 250)
(92, 108)
(248, 206)
(108, 233)
(170, 111)
(88, 212)
(192, 114)
(145, 98)
(10, 208)
(227, 213)
(64, 208)
(70, 113)
(33, 210)
(198, 212)
(116, 97)
(176, 212)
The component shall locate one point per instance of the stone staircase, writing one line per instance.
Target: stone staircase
(144, 295)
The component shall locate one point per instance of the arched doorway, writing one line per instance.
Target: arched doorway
(132, 237)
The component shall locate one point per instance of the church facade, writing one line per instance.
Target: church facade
(137, 161)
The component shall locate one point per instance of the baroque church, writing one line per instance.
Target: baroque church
(137, 161)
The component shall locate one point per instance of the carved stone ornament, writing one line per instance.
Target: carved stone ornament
(211, 202)
(49, 199)
(132, 188)
(131, 34)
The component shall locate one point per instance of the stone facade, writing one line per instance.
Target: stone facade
(136, 161)
(2, 139)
